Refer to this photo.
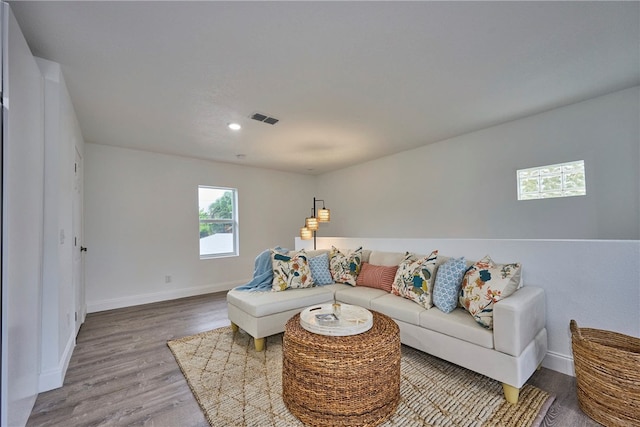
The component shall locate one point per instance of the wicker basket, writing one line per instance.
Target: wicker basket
(342, 381)
(607, 368)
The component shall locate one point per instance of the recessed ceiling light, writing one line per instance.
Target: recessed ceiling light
(234, 126)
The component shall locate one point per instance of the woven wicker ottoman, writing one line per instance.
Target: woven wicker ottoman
(342, 381)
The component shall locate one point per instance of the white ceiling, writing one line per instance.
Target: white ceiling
(349, 81)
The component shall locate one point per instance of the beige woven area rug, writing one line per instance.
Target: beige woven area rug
(236, 386)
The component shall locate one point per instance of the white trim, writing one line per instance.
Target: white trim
(559, 363)
(110, 304)
(54, 378)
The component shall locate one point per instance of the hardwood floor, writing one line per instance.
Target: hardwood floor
(123, 374)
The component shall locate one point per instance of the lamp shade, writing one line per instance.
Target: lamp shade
(324, 215)
(312, 223)
(305, 233)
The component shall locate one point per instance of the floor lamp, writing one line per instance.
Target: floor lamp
(312, 223)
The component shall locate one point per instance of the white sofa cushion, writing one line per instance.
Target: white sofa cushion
(259, 304)
(335, 287)
(314, 252)
(386, 258)
(398, 308)
(360, 295)
(457, 324)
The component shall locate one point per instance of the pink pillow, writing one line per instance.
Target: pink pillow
(376, 276)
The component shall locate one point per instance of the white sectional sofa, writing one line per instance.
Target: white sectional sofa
(510, 353)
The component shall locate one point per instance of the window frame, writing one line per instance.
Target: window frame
(562, 192)
(233, 221)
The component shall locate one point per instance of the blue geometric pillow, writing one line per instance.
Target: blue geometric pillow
(448, 283)
(320, 269)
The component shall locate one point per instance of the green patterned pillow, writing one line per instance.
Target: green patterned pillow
(486, 283)
(290, 271)
(345, 267)
(414, 278)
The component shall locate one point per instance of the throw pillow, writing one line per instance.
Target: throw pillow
(345, 267)
(414, 278)
(376, 276)
(447, 285)
(486, 283)
(319, 266)
(290, 271)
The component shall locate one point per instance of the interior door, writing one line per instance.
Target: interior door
(78, 248)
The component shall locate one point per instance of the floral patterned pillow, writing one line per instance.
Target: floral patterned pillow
(486, 283)
(414, 278)
(345, 267)
(290, 271)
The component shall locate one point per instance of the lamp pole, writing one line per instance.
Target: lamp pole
(314, 231)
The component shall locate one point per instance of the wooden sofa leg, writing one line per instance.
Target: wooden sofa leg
(511, 393)
(259, 343)
(234, 327)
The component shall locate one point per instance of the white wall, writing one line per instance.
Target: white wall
(466, 186)
(62, 135)
(595, 282)
(23, 166)
(141, 224)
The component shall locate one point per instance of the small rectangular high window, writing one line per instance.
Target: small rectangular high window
(544, 182)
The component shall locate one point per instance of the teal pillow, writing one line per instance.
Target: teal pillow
(320, 269)
(448, 283)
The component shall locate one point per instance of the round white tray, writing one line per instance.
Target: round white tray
(352, 320)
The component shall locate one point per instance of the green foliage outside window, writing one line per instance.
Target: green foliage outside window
(561, 180)
(222, 208)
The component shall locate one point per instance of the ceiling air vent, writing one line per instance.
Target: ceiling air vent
(264, 118)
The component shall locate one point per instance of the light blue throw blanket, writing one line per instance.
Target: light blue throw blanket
(262, 273)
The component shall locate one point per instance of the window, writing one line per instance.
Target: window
(218, 221)
(544, 182)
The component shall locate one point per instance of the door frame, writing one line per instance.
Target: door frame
(78, 242)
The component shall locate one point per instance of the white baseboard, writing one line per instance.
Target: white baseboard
(54, 378)
(128, 301)
(559, 362)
